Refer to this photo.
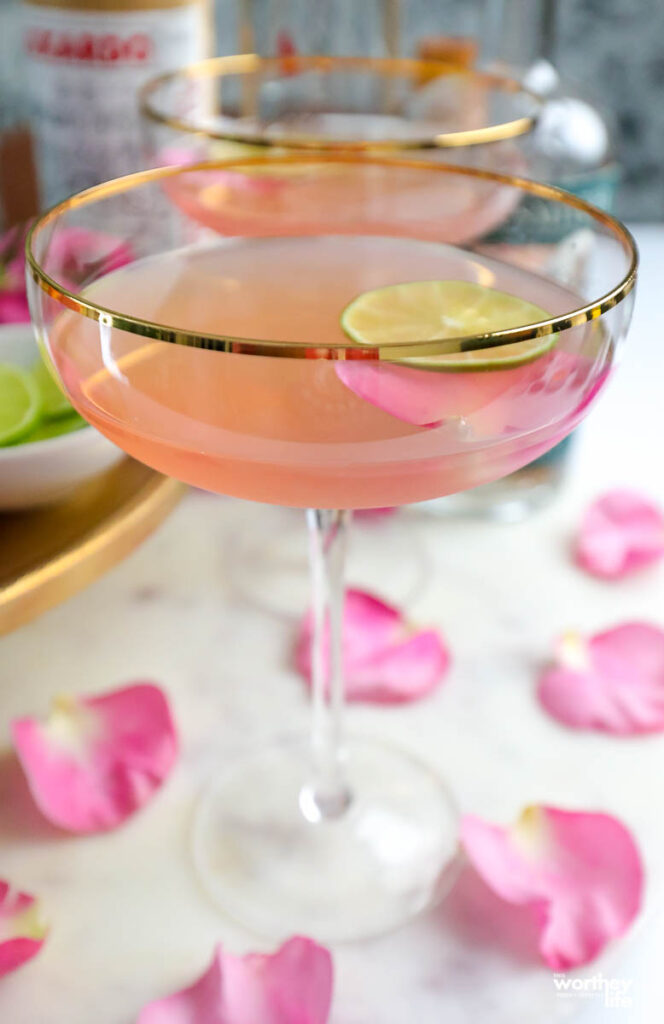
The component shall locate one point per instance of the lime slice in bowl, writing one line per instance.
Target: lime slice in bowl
(436, 310)
(20, 403)
(54, 402)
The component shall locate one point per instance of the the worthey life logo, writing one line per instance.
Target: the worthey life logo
(615, 993)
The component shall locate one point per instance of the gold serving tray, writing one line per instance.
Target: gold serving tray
(48, 554)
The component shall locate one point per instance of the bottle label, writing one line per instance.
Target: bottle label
(546, 222)
(84, 69)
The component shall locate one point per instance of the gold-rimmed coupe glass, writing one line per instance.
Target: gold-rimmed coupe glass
(211, 348)
(365, 104)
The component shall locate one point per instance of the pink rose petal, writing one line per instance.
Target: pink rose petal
(421, 397)
(620, 533)
(528, 397)
(96, 760)
(410, 395)
(580, 872)
(22, 931)
(385, 660)
(291, 986)
(613, 681)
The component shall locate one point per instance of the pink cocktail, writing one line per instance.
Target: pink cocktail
(316, 432)
(218, 356)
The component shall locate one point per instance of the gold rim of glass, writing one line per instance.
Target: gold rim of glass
(390, 351)
(250, 63)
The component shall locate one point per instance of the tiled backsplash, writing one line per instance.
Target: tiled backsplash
(614, 48)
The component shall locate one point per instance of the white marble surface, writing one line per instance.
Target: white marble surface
(128, 920)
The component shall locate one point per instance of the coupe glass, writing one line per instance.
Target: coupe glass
(210, 348)
(336, 103)
(244, 104)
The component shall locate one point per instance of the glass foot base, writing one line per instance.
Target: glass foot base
(391, 854)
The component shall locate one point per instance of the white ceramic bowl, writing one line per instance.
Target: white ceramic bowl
(43, 471)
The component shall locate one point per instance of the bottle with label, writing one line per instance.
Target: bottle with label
(84, 61)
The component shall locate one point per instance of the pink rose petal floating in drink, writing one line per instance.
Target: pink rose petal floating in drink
(545, 391)
(620, 533)
(424, 398)
(22, 930)
(97, 760)
(411, 395)
(580, 872)
(291, 986)
(385, 659)
(612, 681)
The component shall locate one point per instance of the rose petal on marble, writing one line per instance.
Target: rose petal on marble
(291, 986)
(386, 660)
(22, 929)
(612, 681)
(97, 760)
(580, 872)
(621, 532)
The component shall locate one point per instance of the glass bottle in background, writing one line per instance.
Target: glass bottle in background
(571, 147)
(84, 61)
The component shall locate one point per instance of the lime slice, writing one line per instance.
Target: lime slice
(55, 428)
(435, 310)
(20, 403)
(54, 402)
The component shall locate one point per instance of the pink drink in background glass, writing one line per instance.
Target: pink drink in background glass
(311, 431)
(287, 199)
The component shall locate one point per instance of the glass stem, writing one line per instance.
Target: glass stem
(327, 795)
